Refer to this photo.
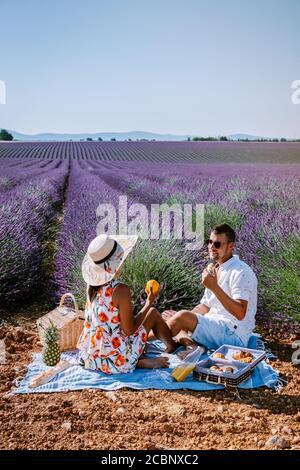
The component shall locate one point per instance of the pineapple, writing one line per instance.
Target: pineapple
(51, 353)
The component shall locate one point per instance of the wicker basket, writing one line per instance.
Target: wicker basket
(227, 381)
(69, 322)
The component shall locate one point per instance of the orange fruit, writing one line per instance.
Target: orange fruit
(155, 286)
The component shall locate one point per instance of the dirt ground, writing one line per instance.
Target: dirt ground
(151, 419)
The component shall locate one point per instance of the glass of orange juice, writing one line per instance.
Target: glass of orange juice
(186, 366)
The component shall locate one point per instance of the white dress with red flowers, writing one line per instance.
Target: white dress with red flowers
(103, 345)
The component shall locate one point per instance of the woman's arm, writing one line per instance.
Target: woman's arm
(142, 313)
(122, 299)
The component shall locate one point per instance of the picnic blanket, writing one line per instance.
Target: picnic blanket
(78, 378)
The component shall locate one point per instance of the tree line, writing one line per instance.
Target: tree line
(5, 135)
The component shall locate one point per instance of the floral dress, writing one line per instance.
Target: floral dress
(102, 344)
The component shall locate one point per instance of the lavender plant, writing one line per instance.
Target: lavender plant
(27, 214)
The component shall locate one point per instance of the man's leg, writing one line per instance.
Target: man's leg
(180, 324)
(166, 315)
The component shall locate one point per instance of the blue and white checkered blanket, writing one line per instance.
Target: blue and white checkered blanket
(78, 378)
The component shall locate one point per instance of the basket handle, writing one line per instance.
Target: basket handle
(213, 382)
(68, 294)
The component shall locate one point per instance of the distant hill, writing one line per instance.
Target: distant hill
(121, 136)
(133, 135)
(245, 136)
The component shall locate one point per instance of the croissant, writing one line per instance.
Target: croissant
(243, 356)
(246, 360)
(210, 268)
(218, 356)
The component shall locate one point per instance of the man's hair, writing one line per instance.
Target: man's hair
(225, 228)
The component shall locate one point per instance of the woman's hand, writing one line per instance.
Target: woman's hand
(151, 297)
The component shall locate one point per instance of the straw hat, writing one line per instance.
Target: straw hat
(105, 254)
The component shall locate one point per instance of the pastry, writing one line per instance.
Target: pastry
(228, 369)
(215, 369)
(218, 356)
(247, 360)
(210, 268)
(242, 356)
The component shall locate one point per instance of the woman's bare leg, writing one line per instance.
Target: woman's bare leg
(166, 315)
(151, 336)
(153, 363)
(153, 321)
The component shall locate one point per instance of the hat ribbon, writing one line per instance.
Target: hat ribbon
(109, 254)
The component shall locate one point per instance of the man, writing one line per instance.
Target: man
(226, 314)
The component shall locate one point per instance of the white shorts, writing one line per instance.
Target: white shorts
(213, 333)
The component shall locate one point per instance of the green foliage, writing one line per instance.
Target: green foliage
(75, 282)
(4, 135)
(51, 334)
(204, 139)
(219, 214)
(168, 263)
(280, 279)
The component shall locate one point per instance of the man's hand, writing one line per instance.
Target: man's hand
(209, 280)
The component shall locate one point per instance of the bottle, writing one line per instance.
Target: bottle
(186, 365)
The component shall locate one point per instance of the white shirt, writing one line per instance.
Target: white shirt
(238, 281)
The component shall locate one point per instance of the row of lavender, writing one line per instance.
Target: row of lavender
(16, 173)
(160, 152)
(30, 204)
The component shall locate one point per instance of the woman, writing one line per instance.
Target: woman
(113, 339)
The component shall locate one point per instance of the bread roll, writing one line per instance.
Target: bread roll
(210, 268)
(218, 356)
(246, 360)
(228, 369)
(242, 356)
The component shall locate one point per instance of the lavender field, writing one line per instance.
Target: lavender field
(160, 152)
(49, 194)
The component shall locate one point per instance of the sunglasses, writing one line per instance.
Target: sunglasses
(216, 244)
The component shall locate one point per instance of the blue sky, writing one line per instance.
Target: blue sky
(185, 67)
